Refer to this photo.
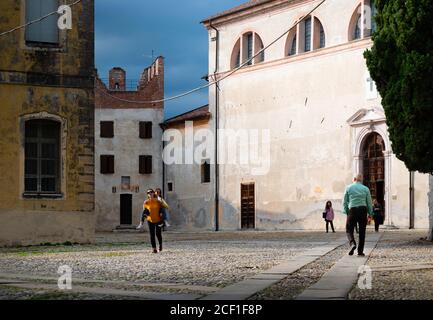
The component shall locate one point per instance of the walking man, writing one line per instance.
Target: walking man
(357, 204)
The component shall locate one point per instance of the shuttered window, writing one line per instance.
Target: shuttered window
(107, 164)
(146, 130)
(107, 129)
(249, 47)
(45, 31)
(42, 157)
(145, 165)
(307, 35)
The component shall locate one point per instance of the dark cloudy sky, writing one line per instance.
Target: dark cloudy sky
(128, 30)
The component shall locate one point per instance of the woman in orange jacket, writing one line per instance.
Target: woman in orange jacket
(152, 207)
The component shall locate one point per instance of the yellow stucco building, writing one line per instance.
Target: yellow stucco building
(46, 124)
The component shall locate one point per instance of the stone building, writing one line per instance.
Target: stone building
(188, 186)
(128, 145)
(46, 130)
(312, 91)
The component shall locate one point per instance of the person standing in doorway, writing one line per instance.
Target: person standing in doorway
(329, 217)
(357, 205)
(378, 215)
(152, 206)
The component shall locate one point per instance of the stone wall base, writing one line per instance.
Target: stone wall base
(23, 228)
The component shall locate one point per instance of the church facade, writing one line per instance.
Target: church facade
(311, 91)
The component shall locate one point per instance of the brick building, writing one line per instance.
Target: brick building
(128, 143)
(46, 131)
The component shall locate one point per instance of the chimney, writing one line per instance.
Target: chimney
(117, 79)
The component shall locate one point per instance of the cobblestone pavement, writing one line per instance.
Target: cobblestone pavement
(201, 262)
(402, 265)
(300, 280)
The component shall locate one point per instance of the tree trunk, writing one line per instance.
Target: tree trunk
(430, 205)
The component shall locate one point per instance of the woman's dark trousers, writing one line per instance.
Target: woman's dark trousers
(154, 229)
(327, 225)
(357, 215)
(377, 223)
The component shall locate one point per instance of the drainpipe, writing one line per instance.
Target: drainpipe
(163, 166)
(216, 128)
(412, 200)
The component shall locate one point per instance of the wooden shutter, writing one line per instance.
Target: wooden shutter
(146, 130)
(107, 129)
(249, 48)
(145, 165)
(307, 35)
(107, 164)
(45, 31)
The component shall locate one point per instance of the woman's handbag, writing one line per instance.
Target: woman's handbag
(324, 214)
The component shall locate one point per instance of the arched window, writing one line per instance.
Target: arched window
(42, 157)
(249, 45)
(358, 29)
(319, 40)
(309, 35)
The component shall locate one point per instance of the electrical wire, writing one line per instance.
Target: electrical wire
(37, 20)
(217, 81)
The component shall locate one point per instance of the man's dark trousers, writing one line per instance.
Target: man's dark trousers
(357, 215)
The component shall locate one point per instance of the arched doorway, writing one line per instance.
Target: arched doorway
(373, 166)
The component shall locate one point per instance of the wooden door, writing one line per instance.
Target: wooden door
(374, 167)
(125, 209)
(248, 208)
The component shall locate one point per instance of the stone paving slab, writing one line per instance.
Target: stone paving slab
(339, 280)
(247, 288)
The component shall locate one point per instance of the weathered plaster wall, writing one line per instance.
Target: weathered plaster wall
(191, 202)
(55, 83)
(305, 101)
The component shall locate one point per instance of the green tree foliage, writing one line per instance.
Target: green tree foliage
(401, 64)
